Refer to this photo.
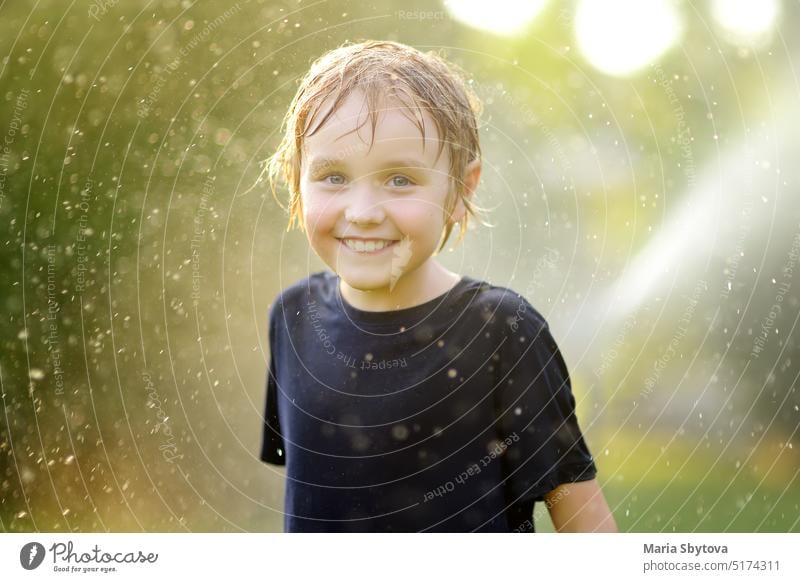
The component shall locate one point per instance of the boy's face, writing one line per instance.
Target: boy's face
(374, 215)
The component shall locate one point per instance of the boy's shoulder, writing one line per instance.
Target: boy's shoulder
(507, 306)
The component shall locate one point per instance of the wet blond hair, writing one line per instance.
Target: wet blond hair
(420, 81)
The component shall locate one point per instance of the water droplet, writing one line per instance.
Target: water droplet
(361, 442)
(400, 432)
(452, 373)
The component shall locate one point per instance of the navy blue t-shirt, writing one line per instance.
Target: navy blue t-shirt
(454, 415)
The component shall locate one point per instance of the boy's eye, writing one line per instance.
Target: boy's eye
(334, 179)
(400, 181)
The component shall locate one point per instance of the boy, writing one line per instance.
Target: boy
(402, 396)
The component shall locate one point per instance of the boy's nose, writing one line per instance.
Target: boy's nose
(363, 206)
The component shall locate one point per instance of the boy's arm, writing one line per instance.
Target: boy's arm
(580, 507)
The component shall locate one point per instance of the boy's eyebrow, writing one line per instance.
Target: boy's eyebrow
(321, 164)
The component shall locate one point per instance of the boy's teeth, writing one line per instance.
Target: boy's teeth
(366, 247)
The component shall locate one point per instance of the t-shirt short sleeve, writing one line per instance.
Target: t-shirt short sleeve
(537, 425)
(273, 450)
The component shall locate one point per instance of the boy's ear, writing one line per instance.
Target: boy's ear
(472, 175)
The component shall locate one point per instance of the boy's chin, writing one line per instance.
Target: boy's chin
(366, 283)
(363, 280)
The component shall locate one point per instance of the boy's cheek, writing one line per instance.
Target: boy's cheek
(419, 219)
(319, 218)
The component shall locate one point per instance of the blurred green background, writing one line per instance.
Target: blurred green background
(641, 163)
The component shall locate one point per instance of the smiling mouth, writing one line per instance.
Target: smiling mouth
(368, 246)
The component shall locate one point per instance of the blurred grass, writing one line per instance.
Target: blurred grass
(648, 491)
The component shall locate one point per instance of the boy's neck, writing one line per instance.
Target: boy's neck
(426, 282)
